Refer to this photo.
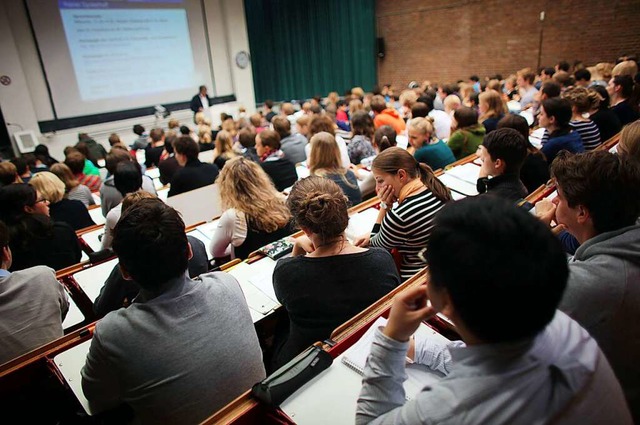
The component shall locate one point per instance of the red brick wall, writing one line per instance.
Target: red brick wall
(448, 40)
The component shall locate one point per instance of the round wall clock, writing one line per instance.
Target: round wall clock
(242, 59)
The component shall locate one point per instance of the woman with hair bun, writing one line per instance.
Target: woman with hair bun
(327, 280)
(419, 195)
(582, 101)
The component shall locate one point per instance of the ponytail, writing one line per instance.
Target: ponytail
(432, 183)
(384, 144)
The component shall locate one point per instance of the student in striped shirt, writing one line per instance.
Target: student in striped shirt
(419, 196)
(582, 101)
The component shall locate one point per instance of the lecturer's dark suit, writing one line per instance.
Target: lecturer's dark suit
(197, 104)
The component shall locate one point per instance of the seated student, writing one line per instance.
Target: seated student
(118, 292)
(255, 213)
(154, 150)
(272, 160)
(42, 153)
(467, 133)
(75, 161)
(320, 123)
(325, 162)
(73, 189)
(292, 144)
(247, 140)
(498, 275)
(629, 144)
(492, 108)
(89, 168)
(184, 348)
(22, 168)
(419, 194)
(441, 120)
(127, 179)
(535, 170)
(109, 195)
(340, 279)
(51, 188)
(91, 149)
(623, 104)
(598, 202)
(223, 149)
(502, 153)
(142, 141)
(362, 131)
(32, 305)
(428, 149)
(555, 114)
(607, 121)
(8, 174)
(581, 103)
(35, 238)
(525, 80)
(385, 116)
(194, 173)
(168, 165)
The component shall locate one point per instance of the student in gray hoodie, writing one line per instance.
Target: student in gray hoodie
(599, 203)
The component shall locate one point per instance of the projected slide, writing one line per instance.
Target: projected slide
(128, 48)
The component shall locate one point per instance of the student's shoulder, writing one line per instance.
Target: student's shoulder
(220, 283)
(38, 274)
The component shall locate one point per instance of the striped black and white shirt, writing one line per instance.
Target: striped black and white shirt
(407, 227)
(589, 133)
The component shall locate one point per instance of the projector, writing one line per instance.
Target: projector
(161, 111)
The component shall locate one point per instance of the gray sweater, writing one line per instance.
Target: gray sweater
(177, 356)
(32, 306)
(603, 295)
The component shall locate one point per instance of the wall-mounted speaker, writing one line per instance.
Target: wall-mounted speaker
(380, 47)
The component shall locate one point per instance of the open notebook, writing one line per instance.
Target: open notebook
(418, 375)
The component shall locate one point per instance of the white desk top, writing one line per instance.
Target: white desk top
(96, 197)
(361, 224)
(92, 279)
(70, 363)
(460, 186)
(256, 282)
(468, 172)
(154, 173)
(74, 315)
(93, 239)
(163, 194)
(96, 216)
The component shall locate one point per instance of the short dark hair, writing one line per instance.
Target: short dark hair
(281, 125)
(551, 89)
(151, 243)
(115, 157)
(156, 134)
(21, 164)
(247, 138)
(564, 66)
(270, 139)
(582, 74)
(378, 104)
(419, 109)
(75, 161)
(508, 145)
(362, 124)
(605, 183)
(168, 143)
(138, 129)
(549, 71)
(626, 82)
(474, 78)
(127, 177)
(558, 108)
(186, 146)
(184, 130)
(465, 116)
(268, 103)
(513, 271)
(4, 235)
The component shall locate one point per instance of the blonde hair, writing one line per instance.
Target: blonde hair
(173, 123)
(494, 102)
(358, 91)
(49, 186)
(583, 99)
(604, 69)
(629, 144)
(466, 90)
(408, 98)
(355, 105)
(494, 85)
(245, 186)
(422, 125)
(204, 134)
(452, 102)
(199, 118)
(625, 68)
(224, 144)
(325, 155)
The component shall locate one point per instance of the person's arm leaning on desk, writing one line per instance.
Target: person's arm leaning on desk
(231, 231)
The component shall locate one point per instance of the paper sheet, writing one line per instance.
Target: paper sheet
(92, 279)
(468, 172)
(458, 185)
(74, 315)
(154, 173)
(256, 298)
(93, 239)
(360, 224)
(96, 216)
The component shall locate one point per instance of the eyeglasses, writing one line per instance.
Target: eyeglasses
(41, 200)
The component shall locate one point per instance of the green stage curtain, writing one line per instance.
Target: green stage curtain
(300, 48)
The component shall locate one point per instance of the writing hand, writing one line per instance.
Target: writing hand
(302, 245)
(362, 241)
(409, 308)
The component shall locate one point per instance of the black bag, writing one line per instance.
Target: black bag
(275, 389)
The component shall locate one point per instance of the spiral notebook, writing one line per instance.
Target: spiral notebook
(418, 376)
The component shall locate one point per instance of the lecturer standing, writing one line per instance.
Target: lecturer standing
(201, 101)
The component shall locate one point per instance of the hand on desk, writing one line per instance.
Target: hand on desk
(362, 241)
(302, 245)
(410, 307)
